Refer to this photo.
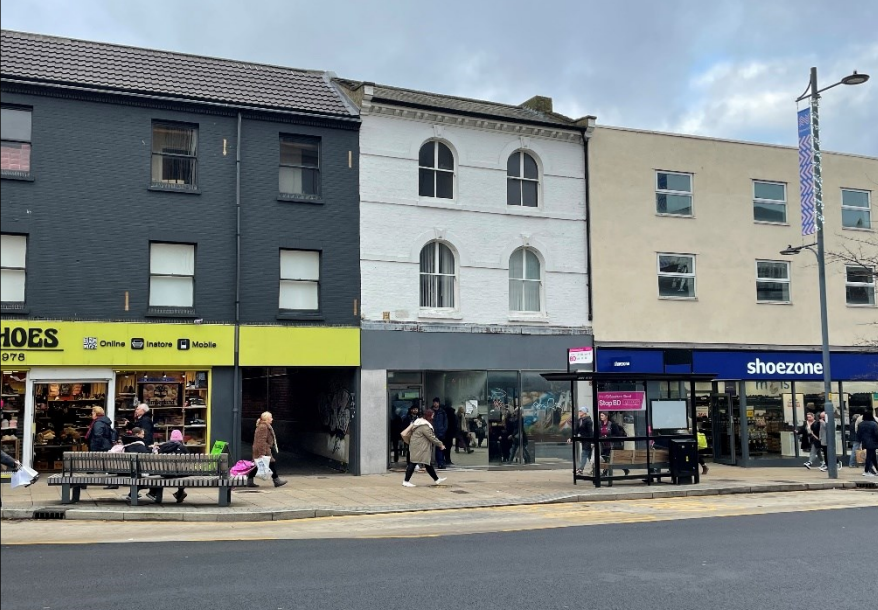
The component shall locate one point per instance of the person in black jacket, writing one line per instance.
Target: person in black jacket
(867, 434)
(100, 435)
(142, 420)
(583, 427)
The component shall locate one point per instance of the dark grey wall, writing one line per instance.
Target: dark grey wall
(89, 215)
(222, 391)
(331, 226)
(408, 350)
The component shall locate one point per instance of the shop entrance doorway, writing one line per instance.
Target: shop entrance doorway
(401, 398)
(724, 418)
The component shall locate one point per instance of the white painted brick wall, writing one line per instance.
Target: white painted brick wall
(396, 223)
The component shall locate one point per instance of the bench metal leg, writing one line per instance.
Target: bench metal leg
(225, 496)
(76, 491)
(134, 495)
(65, 494)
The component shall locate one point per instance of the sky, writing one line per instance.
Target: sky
(719, 68)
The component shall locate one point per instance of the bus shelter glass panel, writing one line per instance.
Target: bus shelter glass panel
(546, 420)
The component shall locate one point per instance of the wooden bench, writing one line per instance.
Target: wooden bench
(188, 470)
(83, 468)
(144, 471)
(630, 459)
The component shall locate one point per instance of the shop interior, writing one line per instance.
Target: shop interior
(12, 407)
(62, 415)
(497, 418)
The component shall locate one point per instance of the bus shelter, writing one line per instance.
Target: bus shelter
(642, 426)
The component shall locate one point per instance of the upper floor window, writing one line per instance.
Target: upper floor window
(13, 266)
(673, 193)
(438, 276)
(299, 280)
(856, 209)
(676, 276)
(525, 281)
(174, 156)
(299, 173)
(859, 285)
(15, 125)
(522, 180)
(436, 171)
(171, 275)
(769, 201)
(772, 282)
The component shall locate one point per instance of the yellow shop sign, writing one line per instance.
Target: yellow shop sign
(50, 343)
(299, 346)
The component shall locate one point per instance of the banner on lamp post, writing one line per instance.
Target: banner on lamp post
(806, 173)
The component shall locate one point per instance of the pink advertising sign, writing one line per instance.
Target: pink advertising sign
(621, 401)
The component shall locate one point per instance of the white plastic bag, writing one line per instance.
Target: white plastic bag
(263, 467)
(23, 476)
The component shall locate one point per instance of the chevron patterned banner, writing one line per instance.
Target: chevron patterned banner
(806, 173)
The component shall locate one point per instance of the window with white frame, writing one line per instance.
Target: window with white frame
(772, 282)
(859, 285)
(522, 180)
(171, 275)
(436, 171)
(15, 148)
(438, 276)
(13, 268)
(856, 209)
(769, 201)
(299, 280)
(174, 156)
(676, 276)
(525, 281)
(299, 172)
(673, 193)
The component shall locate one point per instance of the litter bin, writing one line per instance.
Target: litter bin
(683, 458)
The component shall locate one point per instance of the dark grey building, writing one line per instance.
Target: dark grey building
(188, 230)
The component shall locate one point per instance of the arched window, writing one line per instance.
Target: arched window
(522, 180)
(438, 276)
(525, 281)
(436, 171)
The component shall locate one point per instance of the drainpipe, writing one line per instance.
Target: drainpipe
(236, 391)
(586, 136)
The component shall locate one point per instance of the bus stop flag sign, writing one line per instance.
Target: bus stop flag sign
(580, 359)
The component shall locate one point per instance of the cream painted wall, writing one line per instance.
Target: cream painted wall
(627, 234)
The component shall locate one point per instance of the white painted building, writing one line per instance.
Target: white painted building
(473, 266)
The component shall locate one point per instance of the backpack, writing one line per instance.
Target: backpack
(113, 434)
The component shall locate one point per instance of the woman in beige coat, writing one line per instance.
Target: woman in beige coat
(264, 441)
(421, 444)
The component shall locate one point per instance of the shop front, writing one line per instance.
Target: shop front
(500, 411)
(307, 378)
(55, 373)
(751, 412)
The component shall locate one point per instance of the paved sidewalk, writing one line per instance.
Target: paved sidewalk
(338, 494)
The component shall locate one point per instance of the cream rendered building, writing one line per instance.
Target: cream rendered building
(686, 234)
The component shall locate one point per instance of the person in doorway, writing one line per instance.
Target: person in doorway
(440, 428)
(867, 435)
(424, 448)
(265, 445)
(142, 420)
(585, 428)
(806, 440)
(450, 433)
(462, 438)
(479, 428)
(410, 418)
(517, 437)
(855, 444)
(609, 428)
(100, 435)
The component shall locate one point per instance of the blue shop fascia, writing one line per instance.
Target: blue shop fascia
(772, 391)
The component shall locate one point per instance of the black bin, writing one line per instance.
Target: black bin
(683, 458)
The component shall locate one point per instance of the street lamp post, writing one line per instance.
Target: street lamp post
(814, 93)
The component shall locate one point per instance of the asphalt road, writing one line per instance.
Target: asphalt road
(781, 561)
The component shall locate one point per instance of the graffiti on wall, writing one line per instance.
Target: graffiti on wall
(336, 406)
